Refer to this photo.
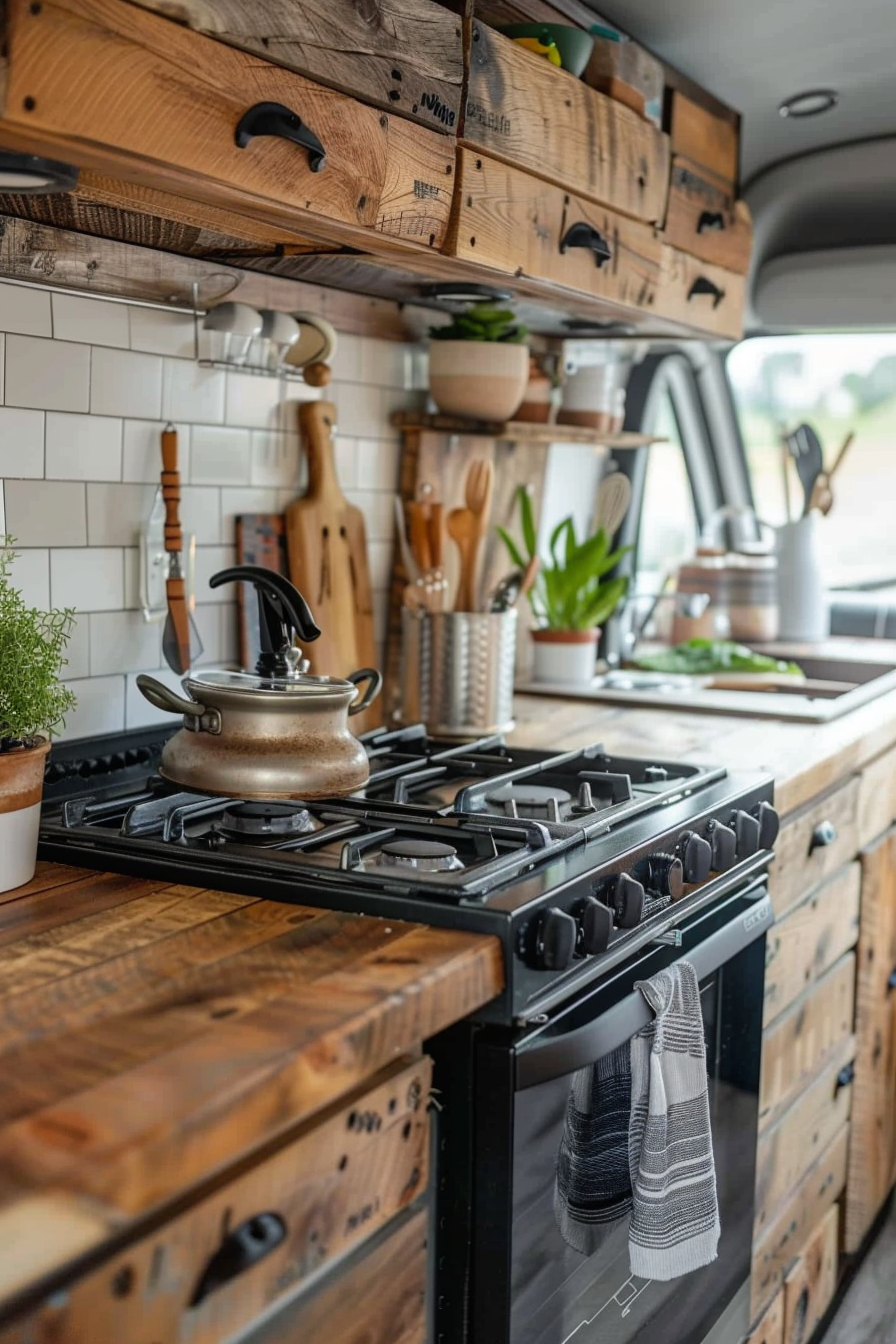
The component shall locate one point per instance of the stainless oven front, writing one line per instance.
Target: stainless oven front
(508, 1275)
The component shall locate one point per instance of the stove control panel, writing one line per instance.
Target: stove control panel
(695, 853)
(624, 895)
(769, 824)
(555, 943)
(664, 875)
(595, 927)
(723, 846)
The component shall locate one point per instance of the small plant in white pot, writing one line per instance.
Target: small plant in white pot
(479, 364)
(33, 705)
(570, 598)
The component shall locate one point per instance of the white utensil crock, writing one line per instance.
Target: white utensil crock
(802, 600)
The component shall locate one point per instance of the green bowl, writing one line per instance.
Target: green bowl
(574, 44)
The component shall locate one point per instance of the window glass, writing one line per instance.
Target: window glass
(668, 525)
(838, 384)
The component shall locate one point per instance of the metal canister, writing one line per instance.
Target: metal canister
(457, 671)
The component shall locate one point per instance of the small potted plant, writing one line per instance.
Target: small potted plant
(33, 705)
(570, 597)
(479, 364)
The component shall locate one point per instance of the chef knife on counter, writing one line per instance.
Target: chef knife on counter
(181, 644)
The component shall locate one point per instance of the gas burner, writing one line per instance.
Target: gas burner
(539, 801)
(426, 856)
(265, 821)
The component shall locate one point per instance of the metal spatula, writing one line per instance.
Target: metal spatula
(805, 449)
(181, 644)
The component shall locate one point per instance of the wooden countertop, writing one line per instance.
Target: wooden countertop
(152, 1035)
(804, 758)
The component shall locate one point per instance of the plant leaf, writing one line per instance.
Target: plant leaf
(530, 536)
(512, 548)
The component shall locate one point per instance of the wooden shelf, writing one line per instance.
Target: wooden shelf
(521, 431)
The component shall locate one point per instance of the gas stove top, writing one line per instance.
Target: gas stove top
(570, 858)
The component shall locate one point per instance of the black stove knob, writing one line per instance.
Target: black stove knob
(696, 856)
(769, 824)
(556, 942)
(625, 897)
(595, 927)
(746, 832)
(665, 875)
(723, 843)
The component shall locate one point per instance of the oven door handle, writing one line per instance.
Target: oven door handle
(547, 1057)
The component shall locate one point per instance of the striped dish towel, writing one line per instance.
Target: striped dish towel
(674, 1225)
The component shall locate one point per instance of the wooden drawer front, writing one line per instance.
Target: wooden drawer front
(331, 1188)
(405, 56)
(519, 224)
(703, 220)
(810, 1286)
(792, 1226)
(808, 940)
(701, 295)
(527, 112)
(711, 142)
(813, 843)
(872, 1153)
(877, 798)
(770, 1329)
(787, 1150)
(163, 104)
(805, 1039)
(379, 1298)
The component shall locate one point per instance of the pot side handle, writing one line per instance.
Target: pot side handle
(159, 695)
(375, 680)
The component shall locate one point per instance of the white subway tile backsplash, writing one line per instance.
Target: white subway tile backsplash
(358, 409)
(21, 442)
(207, 619)
(48, 375)
(25, 310)
(116, 513)
(2, 512)
(209, 559)
(379, 464)
(78, 651)
(121, 641)
(253, 401)
(200, 513)
(31, 575)
(379, 554)
(100, 707)
(276, 459)
(88, 578)
(219, 456)
(131, 599)
(346, 363)
(124, 383)
(192, 393)
(47, 513)
(161, 333)
(83, 447)
(345, 453)
(234, 502)
(383, 363)
(230, 640)
(142, 455)
(379, 512)
(91, 321)
(2, 365)
(139, 713)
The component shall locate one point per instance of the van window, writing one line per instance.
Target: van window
(838, 384)
(667, 532)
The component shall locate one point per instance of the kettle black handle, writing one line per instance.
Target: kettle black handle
(282, 612)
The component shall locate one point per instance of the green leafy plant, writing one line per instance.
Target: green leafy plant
(482, 322)
(32, 656)
(570, 593)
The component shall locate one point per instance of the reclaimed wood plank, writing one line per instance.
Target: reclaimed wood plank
(708, 140)
(813, 843)
(770, 1329)
(405, 56)
(700, 294)
(705, 221)
(529, 114)
(877, 799)
(810, 938)
(811, 1284)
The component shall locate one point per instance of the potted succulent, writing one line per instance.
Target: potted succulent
(33, 706)
(479, 364)
(570, 597)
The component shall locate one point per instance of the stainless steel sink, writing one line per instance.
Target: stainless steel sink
(833, 686)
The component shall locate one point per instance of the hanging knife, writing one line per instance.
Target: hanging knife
(180, 642)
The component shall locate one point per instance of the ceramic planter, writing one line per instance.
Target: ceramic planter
(21, 790)
(478, 380)
(567, 656)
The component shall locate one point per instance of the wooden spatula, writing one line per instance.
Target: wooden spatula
(614, 494)
(468, 526)
(181, 644)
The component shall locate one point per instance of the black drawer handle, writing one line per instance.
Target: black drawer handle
(584, 235)
(825, 834)
(845, 1077)
(275, 119)
(711, 221)
(703, 286)
(240, 1249)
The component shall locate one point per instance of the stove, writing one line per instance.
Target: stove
(574, 859)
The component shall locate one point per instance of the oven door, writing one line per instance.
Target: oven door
(528, 1285)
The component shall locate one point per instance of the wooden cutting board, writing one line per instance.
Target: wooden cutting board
(326, 542)
(260, 540)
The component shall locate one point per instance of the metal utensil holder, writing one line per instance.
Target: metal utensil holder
(457, 671)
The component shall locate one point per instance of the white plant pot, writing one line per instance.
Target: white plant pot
(21, 789)
(567, 656)
(478, 380)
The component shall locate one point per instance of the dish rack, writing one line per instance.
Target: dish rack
(282, 371)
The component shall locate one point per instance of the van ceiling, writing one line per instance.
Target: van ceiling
(754, 55)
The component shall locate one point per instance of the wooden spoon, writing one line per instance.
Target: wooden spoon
(463, 529)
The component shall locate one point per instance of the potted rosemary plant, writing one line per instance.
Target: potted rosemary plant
(479, 364)
(33, 705)
(570, 598)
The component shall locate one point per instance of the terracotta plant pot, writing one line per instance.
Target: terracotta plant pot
(567, 656)
(21, 789)
(478, 380)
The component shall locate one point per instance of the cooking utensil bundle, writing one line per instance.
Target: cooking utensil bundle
(804, 447)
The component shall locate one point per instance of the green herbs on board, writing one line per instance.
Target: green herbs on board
(33, 703)
(701, 657)
(570, 592)
(482, 322)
